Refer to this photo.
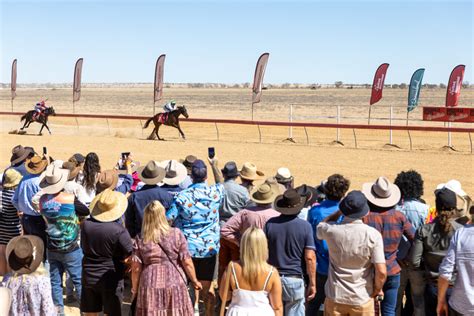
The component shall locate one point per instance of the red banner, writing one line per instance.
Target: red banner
(454, 86)
(444, 114)
(377, 86)
(13, 82)
(258, 77)
(159, 68)
(76, 86)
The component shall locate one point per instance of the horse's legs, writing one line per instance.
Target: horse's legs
(47, 128)
(180, 131)
(24, 125)
(42, 126)
(152, 135)
(157, 128)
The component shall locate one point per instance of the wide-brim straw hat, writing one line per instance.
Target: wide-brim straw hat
(24, 253)
(188, 162)
(264, 194)
(11, 178)
(382, 192)
(289, 203)
(249, 171)
(53, 179)
(19, 153)
(175, 172)
(108, 206)
(36, 165)
(152, 173)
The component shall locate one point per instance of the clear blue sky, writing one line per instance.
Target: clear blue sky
(220, 41)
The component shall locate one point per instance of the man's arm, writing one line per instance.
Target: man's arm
(231, 230)
(408, 229)
(218, 177)
(333, 217)
(380, 277)
(416, 251)
(446, 271)
(310, 259)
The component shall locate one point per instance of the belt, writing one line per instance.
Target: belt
(295, 276)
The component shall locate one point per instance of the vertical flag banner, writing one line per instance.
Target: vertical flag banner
(414, 89)
(454, 86)
(76, 87)
(258, 77)
(158, 92)
(13, 82)
(377, 86)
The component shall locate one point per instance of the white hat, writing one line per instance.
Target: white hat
(453, 185)
(175, 172)
(283, 175)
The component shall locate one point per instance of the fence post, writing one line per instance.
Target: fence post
(409, 136)
(259, 133)
(108, 125)
(77, 123)
(307, 138)
(355, 138)
(470, 140)
(217, 130)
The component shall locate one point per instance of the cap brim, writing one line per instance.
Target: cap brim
(392, 200)
(111, 215)
(38, 246)
(286, 210)
(53, 188)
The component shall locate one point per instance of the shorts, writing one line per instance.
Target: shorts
(205, 268)
(98, 298)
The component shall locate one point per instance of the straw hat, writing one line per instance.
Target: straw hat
(175, 172)
(24, 253)
(108, 179)
(19, 153)
(382, 192)
(108, 206)
(188, 162)
(264, 194)
(249, 172)
(290, 203)
(73, 169)
(53, 179)
(11, 178)
(36, 165)
(152, 173)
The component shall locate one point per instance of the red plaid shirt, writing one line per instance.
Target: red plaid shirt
(392, 225)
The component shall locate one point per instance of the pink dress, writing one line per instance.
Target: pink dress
(162, 290)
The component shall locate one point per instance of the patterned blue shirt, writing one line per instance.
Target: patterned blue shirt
(195, 212)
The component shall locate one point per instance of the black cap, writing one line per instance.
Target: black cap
(354, 205)
(445, 199)
(230, 170)
(199, 171)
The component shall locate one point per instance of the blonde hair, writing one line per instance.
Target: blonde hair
(154, 225)
(253, 254)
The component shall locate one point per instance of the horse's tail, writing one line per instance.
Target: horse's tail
(23, 117)
(148, 122)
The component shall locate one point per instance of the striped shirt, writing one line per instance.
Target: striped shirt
(9, 221)
(392, 224)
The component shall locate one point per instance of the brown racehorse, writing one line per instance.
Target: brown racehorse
(172, 119)
(41, 118)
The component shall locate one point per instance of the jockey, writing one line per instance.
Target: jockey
(39, 108)
(170, 106)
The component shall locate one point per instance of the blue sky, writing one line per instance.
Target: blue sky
(308, 42)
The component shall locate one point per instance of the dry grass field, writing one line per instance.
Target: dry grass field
(310, 163)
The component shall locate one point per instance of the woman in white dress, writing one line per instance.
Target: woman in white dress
(254, 284)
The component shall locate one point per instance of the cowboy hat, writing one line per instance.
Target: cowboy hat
(108, 206)
(274, 184)
(188, 162)
(11, 178)
(310, 192)
(19, 153)
(290, 202)
(53, 179)
(283, 175)
(108, 179)
(24, 253)
(175, 172)
(382, 192)
(249, 172)
(73, 169)
(35, 165)
(151, 173)
(264, 193)
(230, 170)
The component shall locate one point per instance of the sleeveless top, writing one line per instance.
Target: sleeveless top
(248, 302)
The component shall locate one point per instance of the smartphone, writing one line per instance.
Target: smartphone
(125, 155)
(45, 151)
(211, 153)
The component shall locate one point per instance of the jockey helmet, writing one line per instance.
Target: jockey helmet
(173, 102)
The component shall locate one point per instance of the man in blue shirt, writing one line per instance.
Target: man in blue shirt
(335, 189)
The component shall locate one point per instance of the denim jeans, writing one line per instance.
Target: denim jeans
(60, 262)
(293, 291)
(390, 290)
(417, 286)
(431, 299)
(313, 306)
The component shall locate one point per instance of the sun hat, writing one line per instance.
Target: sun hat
(309, 192)
(36, 164)
(445, 199)
(19, 153)
(108, 179)
(283, 175)
(230, 170)
(382, 192)
(290, 203)
(199, 171)
(24, 253)
(53, 179)
(151, 173)
(274, 183)
(264, 194)
(73, 169)
(175, 172)
(108, 206)
(354, 205)
(249, 172)
(188, 162)
(453, 185)
(11, 178)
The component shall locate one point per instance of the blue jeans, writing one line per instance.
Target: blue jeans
(390, 291)
(313, 306)
(59, 262)
(431, 299)
(293, 291)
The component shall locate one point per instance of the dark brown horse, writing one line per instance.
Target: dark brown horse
(170, 119)
(42, 118)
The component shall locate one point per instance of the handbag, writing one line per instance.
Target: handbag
(226, 290)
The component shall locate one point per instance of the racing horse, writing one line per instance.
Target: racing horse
(170, 119)
(42, 118)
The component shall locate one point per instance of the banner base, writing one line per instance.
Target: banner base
(448, 148)
(337, 142)
(289, 139)
(391, 146)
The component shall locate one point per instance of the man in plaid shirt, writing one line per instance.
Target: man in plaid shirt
(382, 197)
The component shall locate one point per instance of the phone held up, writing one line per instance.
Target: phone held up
(125, 155)
(45, 150)
(211, 153)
